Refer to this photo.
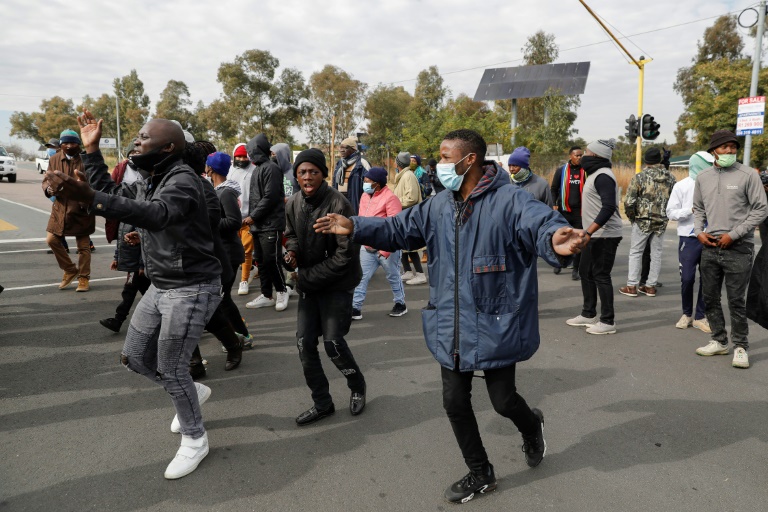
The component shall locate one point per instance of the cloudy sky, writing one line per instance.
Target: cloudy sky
(72, 49)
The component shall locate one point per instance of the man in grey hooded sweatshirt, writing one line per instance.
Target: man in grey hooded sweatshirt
(728, 204)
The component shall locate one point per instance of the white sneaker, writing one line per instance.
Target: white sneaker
(419, 278)
(684, 322)
(702, 325)
(203, 394)
(601, 328)
(581, 321)
(291, 291)
(407, 275)
(740, 358)
(189, 456)
(713, 348)
(260, 302)
(243, 288)
(254, 273)
(282, 301)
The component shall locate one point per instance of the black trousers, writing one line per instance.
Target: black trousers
(597, 260)
(328, 315)
(230, 309)
(134, 283)
(574, 219)
(267, 247)
(457, 401)
(415, 259)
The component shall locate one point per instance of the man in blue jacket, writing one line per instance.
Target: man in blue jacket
(483, 236)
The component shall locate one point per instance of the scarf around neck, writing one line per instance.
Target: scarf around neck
(522, 175)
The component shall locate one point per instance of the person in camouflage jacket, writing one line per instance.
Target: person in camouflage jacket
(645, 206)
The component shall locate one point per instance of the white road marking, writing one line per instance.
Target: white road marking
(57, 284)
(37, 209)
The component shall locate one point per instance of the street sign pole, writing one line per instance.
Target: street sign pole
(755, 72)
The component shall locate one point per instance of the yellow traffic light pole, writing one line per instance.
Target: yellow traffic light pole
(641, 66)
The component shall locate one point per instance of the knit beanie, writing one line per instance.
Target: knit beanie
(69, 136)
(698, 162)
(417, 158)
(313, 156)
(652, 156)
(377, 174)
(219, 162)
(721, 137)
(240, 150)
(603, 148)
(403, 159)
(520, 157)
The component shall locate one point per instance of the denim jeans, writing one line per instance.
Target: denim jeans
(734, 266)
(457, 401)
(370, 262)
(639, 240)
(328, 315)
(597, 260)
(164, 330)
(689, 255)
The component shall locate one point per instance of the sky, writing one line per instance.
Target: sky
(71, 49)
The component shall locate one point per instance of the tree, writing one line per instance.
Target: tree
(174, 103)
(55, 115)
(386, 109)
(334, 93)
(424, 128)
(104, 108)
(133, 104)
(540, 48)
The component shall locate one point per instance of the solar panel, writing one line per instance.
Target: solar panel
(532, 81)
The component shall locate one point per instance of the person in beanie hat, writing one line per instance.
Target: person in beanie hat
(219, 163)
(241, 172)
(408, 191)
(379, 201)
(646, 208)
(728, 204)
(69, 217)
(567, 185)
(680, 210)
(348, 172)
(329, 272)
(601, 219)
(522, 176)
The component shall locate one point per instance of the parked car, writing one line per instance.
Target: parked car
(7, 166)
(42, 162)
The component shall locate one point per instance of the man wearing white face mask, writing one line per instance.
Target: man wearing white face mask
(484, 237)
(728, 204)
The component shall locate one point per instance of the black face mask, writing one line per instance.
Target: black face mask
(73, 151)
(592, 163)
(241, 164)
(148, 161)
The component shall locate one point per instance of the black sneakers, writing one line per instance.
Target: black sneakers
(534, 446)
(473, 483)
(113, 324)
(357, 314)
(399, 309)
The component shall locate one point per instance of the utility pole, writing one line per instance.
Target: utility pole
(513, 124)
(641, 66)
(755, 72)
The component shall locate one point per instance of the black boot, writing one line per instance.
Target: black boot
(196, 366)
(113, 324)
(234, 356)
(232, 343)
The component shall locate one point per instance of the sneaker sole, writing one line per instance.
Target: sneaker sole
(708, 331)
(647, 294)
(604, 332)
(357, 317)
(485, 490)
(190, 469)
(259, 306)
(242, 293)
(740, 366)
(718, 353)
(394, 314)
(628, 294)
(580, 324)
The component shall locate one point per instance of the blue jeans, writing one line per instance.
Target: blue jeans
(164, 331)
(689, 255)
(370, 262)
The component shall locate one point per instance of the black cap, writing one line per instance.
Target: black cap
(53, 143)
(652, 156)
(721, 137)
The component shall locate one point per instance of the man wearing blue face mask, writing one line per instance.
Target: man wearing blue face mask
(484, 236)
(728, 204)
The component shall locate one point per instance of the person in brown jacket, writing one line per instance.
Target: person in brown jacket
(68, 217)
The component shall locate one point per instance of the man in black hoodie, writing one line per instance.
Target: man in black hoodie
(329, 272)
(267, 222)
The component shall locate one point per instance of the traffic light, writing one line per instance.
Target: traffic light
(631, 127)
(650, 128)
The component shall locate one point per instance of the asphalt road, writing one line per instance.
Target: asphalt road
(634, 421)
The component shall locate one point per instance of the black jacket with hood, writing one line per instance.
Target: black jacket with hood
(327, 262)
(267, 196)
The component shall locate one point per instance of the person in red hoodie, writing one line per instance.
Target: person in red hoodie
(379, 201)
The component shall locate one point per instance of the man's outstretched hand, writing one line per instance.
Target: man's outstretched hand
(333, 224)
(67, 187)
(90, 131)
(568, 241)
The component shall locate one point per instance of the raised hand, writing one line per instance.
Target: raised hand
(568, 241)
(68, 187)
(90, 131)
(334, 224)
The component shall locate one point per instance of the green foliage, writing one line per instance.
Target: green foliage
(133, 102)
(56, 114)
(335, 93)
(386, 109)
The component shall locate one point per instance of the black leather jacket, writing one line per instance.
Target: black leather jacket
(169, 208)
(326, 262)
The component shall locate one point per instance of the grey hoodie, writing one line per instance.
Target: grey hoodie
(283, 153)
(729, 200)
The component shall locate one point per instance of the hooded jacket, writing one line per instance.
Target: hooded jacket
(282, 153)
(326, 262)
(243, 178)
(171, 212)
(646, 201)
(231, 221)
(266, 201)
(483, 287)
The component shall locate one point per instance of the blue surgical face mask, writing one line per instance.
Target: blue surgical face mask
(446, 173)
(368, 188)
(51, 152)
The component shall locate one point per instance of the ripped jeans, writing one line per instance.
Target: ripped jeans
(326, 314)
(164, 331)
